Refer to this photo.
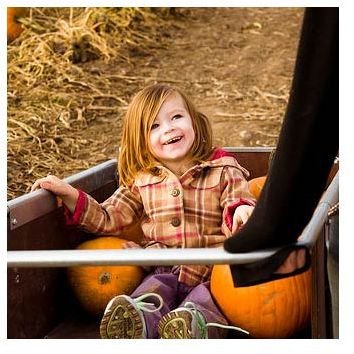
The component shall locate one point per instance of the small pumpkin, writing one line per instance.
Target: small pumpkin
(94, 286)
(255, 185)
(276, 309)
(14, 27)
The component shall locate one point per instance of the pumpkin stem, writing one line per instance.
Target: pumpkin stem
(104, 278)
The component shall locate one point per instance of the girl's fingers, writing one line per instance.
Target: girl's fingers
(236, 223)
(244, 216)
(241, 216)
(36, 185)
(45, 183)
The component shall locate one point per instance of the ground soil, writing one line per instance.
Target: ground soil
(236, 63)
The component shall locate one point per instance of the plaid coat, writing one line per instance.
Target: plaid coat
(192, 211)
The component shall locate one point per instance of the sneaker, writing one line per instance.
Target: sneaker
(187, 323)
(124, 319)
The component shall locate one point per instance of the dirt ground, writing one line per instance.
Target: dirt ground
(236, 64)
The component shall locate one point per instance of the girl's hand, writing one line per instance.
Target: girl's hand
(65, 191)
(241, 215)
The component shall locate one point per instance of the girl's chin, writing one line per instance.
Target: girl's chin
(173, 157)
(174, 154)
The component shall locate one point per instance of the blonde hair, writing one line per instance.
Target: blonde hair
(135, 153)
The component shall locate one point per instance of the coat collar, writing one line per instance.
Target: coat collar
(219, 158)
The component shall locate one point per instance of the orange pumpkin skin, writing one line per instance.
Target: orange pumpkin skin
(276, 309)
(255, 185)
(94, 286)
(14, 28)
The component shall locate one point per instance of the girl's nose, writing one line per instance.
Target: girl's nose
(168, 128)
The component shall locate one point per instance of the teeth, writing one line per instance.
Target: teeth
(173, 140)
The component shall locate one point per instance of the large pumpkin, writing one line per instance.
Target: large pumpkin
(14, 27)
(94, 286)
(276, 309)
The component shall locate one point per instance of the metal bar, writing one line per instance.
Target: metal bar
(319, 314)
(144, 257)
(63, 258)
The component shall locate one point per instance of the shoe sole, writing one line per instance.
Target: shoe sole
(176, 325)
(121, 321)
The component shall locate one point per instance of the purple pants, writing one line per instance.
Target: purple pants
(164, 282)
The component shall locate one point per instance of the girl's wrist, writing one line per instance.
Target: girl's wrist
(71, 198)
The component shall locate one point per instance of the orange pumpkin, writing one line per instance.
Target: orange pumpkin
(94, 286)
(14, 28)
(276, 309)
(255, 185)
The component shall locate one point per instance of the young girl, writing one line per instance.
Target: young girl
(184, 193)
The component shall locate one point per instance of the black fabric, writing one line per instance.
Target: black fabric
(307, 146)
(263, 271)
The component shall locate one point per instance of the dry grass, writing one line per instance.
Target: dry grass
(53, 95)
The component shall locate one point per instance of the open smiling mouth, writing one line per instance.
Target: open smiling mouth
(173, 140)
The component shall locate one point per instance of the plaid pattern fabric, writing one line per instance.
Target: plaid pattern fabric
(193, 211)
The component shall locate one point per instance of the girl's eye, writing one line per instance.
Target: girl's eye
(154, 126)
(177, 116)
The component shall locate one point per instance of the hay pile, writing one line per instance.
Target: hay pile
(53, 95)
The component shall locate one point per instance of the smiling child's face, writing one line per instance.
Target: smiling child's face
(172, 134)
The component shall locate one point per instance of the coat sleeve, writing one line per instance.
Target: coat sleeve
(234, 192)
(119, 211)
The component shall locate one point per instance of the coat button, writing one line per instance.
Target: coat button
(175, 192)
(175, 222)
